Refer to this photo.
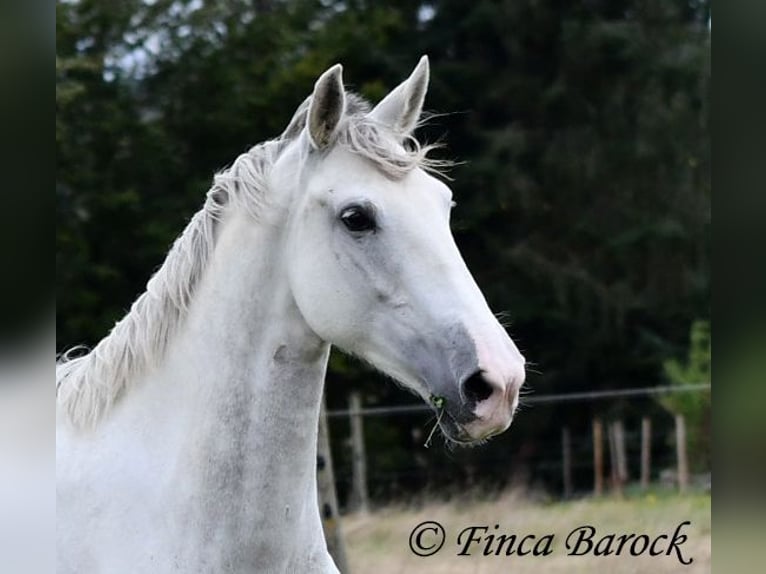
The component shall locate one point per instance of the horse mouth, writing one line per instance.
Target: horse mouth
(455, 433)
(466, 441)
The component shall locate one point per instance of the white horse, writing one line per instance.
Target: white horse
(187, 437)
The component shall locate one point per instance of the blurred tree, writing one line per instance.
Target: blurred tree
(695, 407)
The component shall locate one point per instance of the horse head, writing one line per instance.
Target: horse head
(373, 266)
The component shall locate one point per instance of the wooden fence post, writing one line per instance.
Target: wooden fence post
(646, 452)
(328, 499)
(566, 448)
(359, 499)
(622, 457)
(614, 476)
(598, 458)
(683, 462)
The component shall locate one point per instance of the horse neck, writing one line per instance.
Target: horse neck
(251, 373)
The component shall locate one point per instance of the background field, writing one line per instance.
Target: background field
(378, 542)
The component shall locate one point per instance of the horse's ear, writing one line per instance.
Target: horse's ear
(400, 109)
(328, 103)
(298, 121)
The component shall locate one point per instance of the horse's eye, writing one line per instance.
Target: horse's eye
(358, 219)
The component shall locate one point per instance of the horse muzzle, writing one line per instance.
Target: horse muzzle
(486, 407)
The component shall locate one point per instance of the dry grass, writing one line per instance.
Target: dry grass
(378, 543)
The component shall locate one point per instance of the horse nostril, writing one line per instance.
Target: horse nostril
(476, 388)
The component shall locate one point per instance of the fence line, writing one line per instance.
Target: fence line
(529, 400)
(613, 433)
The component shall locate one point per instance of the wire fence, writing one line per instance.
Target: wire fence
(593, 455)
(531, 399)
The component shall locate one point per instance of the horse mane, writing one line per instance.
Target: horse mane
(88, 385)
